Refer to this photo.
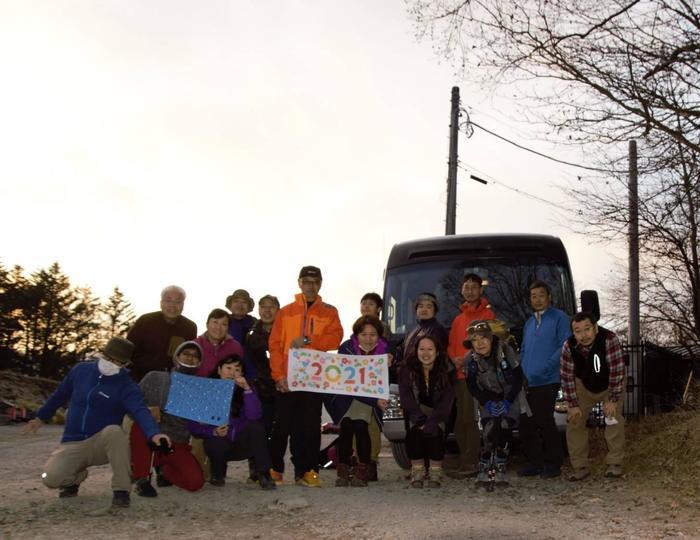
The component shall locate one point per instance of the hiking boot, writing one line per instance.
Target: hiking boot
(162, 481)
(550, 471)
(530, 470)
(68, 491)
(434, 477)
(579, 473)
(501, 478)
(614, 471)
(372, 474)
(144, 488)
(277, 477)
(417, 476)
(217, 482)
(360, 477)
(266, 482)
(310, 479)
(120, 499)
(343, 472)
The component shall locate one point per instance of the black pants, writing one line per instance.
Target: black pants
(248, 443)
(359, 430)
(297, 417)
(421, 445)
(538, 433)
(497, 433)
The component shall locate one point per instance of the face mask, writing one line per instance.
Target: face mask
(185, 369)
(107, 368)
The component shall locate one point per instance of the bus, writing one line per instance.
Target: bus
(507, 263)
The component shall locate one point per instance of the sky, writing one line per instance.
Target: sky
(224, 144)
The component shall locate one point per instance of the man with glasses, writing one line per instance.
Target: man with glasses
(307, 323)
(156, 335)
(99, 393)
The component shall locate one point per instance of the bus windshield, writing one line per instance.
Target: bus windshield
(506, 282)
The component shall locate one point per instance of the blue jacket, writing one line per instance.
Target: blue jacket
(541, 351)
(96, 401)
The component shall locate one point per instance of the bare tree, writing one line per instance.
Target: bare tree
(592, 71)
(599, 73)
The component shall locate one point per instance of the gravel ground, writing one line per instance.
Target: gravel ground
(595, 508)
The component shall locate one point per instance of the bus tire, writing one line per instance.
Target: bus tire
(398, 450)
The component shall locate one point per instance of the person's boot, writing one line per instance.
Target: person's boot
(343, 472)
(434, 477)
(68, 491)
(417, 476)
(482, 478)
(266, 482)
(372, 476)
(253, 476)
(501, 462)
(361, 474)
(144, 488)
(120, 499)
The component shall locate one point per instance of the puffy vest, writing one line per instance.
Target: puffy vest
(592, 369)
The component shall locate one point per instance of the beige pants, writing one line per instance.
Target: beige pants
(577, 433)
(67, 465)
(466, 429)
(375, 437)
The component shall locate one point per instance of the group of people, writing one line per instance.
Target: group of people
(117, 415)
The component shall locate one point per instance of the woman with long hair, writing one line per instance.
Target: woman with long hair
(426, 394)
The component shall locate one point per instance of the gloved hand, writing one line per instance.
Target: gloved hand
(506, 407)
(492, 407)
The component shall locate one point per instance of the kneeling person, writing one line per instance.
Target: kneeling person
(99, 393)
(495, 379)
(243, 437)
(179, 467)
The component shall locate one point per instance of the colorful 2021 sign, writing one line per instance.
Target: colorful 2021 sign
(316, 371)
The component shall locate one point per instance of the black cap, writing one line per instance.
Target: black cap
(310, 271)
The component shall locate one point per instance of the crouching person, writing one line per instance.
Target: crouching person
(354, 414)
(177, 467)
(495, 379)
(243, 437)
(426, 395)
(99, 393)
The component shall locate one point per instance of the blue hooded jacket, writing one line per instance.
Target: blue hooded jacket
(540, 354)
(96, 401)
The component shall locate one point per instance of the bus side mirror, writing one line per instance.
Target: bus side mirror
(589, 303)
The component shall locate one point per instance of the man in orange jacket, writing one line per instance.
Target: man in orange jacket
(474, 308)
(307, 323)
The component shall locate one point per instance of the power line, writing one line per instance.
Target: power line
(469, 131)
(511, 188)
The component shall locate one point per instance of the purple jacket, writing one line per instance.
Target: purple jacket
(213, 353)
(251, 411)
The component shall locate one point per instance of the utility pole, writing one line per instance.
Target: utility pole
(633, 330)
(451, 218)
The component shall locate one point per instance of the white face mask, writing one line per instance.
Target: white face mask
(107, 368)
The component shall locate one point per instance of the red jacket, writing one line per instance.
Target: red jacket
(458, 332)
(320, 323)
(211, 354)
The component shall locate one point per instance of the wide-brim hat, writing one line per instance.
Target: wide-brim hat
(241, 293)
(477, 328)
(119, 349)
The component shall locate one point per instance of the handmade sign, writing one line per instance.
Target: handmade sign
(316, 371)
(200, 399)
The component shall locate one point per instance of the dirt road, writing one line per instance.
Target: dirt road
(538, 509)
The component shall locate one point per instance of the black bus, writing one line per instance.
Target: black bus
(507, 263)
